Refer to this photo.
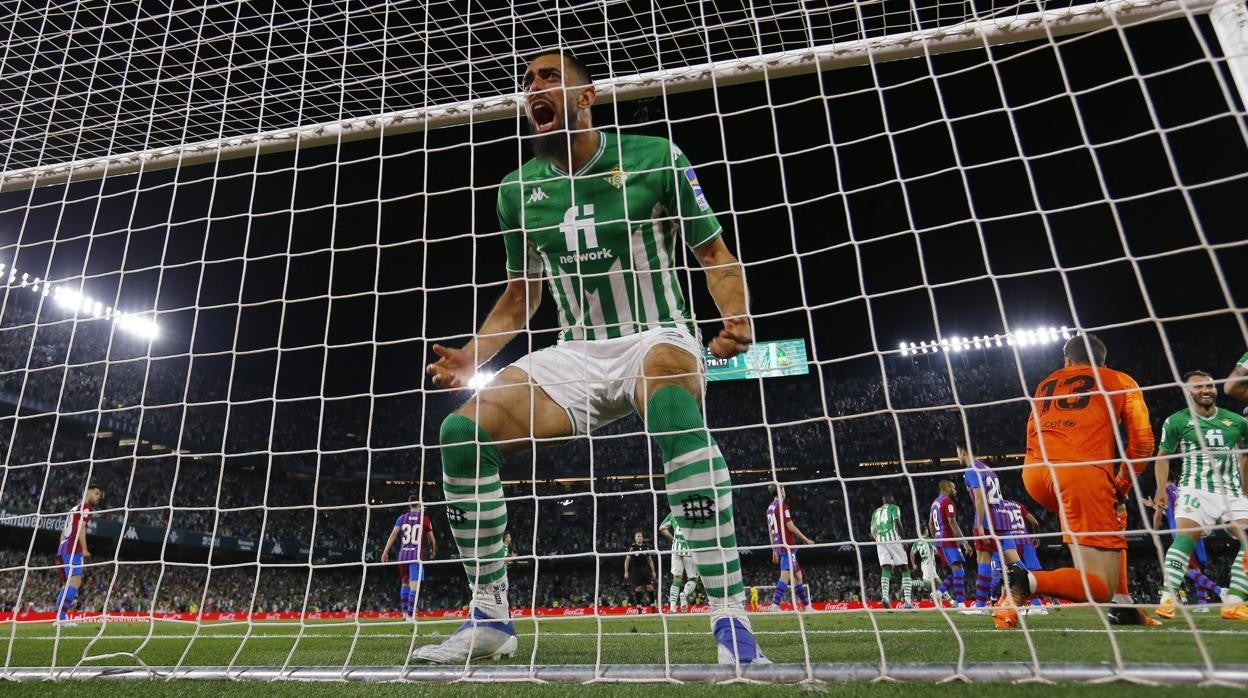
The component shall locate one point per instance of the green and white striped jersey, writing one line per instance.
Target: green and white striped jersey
(884, 523)
(923, 548)
(604, 237)
(680, 546)
(1243, 360)
(1210, 460)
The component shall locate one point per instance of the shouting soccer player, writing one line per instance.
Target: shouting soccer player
(598, 215)
(684, 574)
(1211, 441)
(1069, 469)
(947, 532)
(782, 530)
(72, 550)
(414, 531)
(886, 532)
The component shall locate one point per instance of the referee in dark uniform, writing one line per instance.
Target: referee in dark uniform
(639, 570)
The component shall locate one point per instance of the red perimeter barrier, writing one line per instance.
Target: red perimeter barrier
(135, 617)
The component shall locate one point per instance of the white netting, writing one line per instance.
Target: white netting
(234, 349)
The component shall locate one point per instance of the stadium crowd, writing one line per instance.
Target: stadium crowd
(192, 450)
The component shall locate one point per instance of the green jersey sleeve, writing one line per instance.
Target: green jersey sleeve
(667, 522)
(523, 258)
(1243, 361)
(1171, 429)
(686, 199)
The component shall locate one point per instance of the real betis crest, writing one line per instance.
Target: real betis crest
(616, 178)
(1226, 422)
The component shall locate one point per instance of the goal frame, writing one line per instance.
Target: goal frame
(1230, 20)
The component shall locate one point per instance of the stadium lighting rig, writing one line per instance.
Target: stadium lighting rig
(1021, 338)
(80, 304)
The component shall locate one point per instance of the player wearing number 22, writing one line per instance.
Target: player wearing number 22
(1211, 441)
(1071, 468)
(414, 532)
(597, 216)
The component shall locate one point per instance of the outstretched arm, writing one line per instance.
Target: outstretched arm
(1236, 384)
(725, 279)
(455, 367)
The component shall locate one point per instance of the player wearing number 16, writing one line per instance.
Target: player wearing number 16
(414, 532)
(1071, 468)
(1211, 441)
(597, 216)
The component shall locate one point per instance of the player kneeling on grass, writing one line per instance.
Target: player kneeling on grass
(605, 241)
(1069, 469)
(1211, 441)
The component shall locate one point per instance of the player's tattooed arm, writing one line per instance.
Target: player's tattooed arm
(1236, 384)
(725, 279)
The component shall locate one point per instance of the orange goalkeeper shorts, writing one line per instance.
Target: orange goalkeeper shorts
(1083, 497)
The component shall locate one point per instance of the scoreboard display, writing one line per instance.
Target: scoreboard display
(783, 357)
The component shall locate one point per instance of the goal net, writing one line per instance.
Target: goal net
(231, 234)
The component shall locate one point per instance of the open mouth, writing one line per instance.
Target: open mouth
(542, 112)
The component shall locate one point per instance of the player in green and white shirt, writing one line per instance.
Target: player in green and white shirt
(597, 216)
(683, 570)
(1211, 442)
(886, 531)
(1237, 383)
(929, 575)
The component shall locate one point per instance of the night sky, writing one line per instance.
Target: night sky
(871, 205)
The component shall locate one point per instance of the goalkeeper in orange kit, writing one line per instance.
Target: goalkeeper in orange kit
(1071, 468)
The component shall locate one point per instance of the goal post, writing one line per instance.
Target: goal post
(1010, 27)
(230, 234)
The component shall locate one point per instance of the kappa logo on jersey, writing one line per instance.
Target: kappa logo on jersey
(577, 221)
(537, 195)
(697, 189)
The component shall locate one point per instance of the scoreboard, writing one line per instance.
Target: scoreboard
(783, 357)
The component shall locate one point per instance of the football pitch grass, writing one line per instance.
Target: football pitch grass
(1069, 635)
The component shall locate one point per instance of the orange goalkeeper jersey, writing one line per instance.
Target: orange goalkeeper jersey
(1075, 420)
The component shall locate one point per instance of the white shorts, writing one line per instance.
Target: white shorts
(1208, 509)
(891, 553)
(929, 571)
(682, 566)
(595, 380)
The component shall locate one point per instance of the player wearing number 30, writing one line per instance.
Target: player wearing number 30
(414, 532)
(1211, 441)
(597, 216)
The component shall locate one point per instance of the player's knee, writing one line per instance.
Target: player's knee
(457, 429)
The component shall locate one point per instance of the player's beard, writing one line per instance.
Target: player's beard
(556, 143)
